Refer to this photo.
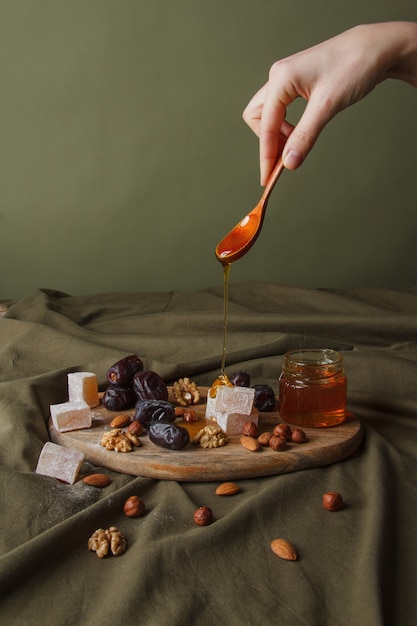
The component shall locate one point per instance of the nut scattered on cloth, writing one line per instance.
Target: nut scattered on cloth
(119, 441)
(210, 437)
(103, 542)
(185, 392)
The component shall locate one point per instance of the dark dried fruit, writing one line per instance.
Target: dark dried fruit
(122, 372)
(168, 435)
(117, 398)
(240, 379)
(147, 411)
(149, 385)
(264, 398)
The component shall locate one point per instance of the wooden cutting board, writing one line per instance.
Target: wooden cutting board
(231, 462)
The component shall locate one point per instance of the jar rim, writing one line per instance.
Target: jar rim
(314, 356)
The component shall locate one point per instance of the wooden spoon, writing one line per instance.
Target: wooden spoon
(242, 237)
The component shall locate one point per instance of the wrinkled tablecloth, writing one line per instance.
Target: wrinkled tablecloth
(356, 566)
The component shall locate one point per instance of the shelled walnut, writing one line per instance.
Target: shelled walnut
(119, 441)
(185, 392)
(210, 437)
(103, 542)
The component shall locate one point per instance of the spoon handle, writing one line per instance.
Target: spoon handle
(275, 174)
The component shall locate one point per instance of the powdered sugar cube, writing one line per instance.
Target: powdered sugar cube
(235, 400)
(71, 415)
(232, 423)
(59, 462)
(231, 408)
(83, 386)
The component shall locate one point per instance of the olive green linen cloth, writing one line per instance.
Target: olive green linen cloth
(357, 566)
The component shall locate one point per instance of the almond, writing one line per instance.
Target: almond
(250, 443)
(97, 480)
(120, 421)
(284, 550)
(227, 489)
(264, 438)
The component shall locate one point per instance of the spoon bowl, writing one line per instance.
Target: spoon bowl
(242, 237)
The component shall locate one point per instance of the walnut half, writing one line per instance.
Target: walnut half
(185, 392)
(210, 437)
(104, 541)
(119, 441)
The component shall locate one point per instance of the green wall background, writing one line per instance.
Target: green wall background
(124, 158)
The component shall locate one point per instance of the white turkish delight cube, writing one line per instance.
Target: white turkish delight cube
(235, 400)
(71, 415)
(58, 462)
(83, 386)
(231, 408)
(232, 423)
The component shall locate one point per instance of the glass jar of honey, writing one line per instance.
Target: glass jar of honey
(312, 388)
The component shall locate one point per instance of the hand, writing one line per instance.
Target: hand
(330, 77)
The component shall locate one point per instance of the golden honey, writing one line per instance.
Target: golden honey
(312, 388)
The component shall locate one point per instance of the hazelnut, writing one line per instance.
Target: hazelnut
(249, 429)
(134, 507)
(298, 436)
(135, 428)
(189, 415)
(332, 501)
(203, 516)
(283, 430)
(277, 443)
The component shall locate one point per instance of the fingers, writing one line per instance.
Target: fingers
(315, 117)
(271, 147)
(265, 115)
(253, 112)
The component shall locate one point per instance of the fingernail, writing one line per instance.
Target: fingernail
(292, 160)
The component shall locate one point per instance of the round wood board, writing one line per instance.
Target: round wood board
(230, 462)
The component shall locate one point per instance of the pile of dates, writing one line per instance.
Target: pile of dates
(132, 386)
(129, 382)
(264, 399)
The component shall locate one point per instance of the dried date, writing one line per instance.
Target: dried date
(147, 411)
(264, 399)
(118, 398)
(168, 435)
(149, 385)
(122, 372)
(240, 379)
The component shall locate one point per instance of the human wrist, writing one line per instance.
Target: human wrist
(404, 60)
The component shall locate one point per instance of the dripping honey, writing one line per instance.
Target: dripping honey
(226, 274)
(222, 379)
